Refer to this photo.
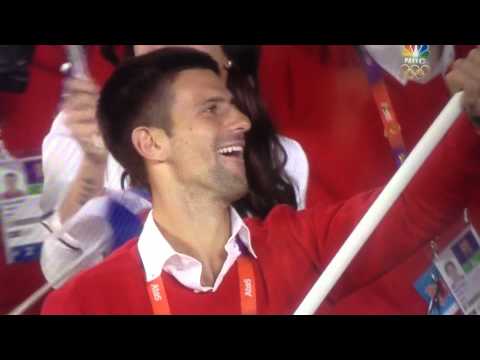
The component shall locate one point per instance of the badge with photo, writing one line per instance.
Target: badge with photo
(436, 294)
(21, 184)
(459, 266)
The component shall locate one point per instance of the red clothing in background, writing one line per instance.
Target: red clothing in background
(319, 96)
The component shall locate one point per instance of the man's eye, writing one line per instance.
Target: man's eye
(212, 109)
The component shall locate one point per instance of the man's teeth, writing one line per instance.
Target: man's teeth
(230, 150)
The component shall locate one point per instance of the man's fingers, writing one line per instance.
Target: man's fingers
(471, 69)
(75, 85)
(471, 94)
(474, 54)
(463, 70)
(84, 131)
(73, 117)
(80, 101)
(455, 79)
(94, 145)
(465, 75)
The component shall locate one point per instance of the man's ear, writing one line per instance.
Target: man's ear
(151, 143)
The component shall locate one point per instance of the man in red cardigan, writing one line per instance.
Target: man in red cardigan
(320, 96)
(170, 121)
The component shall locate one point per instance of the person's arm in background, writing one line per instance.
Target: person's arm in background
(434, 199)
(466, 76)
(79, 108)
(74, 172)
(74, 158)
(432, 202)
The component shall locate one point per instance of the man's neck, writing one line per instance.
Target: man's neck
(195, 226)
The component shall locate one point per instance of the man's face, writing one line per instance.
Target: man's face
(215, 51)
(207, 136)
(11, 182)
(451, 270)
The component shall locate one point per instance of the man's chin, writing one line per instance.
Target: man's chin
(231, 183)
(235, 190)
(234, 165)
(240, 194)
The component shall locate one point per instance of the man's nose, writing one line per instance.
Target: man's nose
(240, 122)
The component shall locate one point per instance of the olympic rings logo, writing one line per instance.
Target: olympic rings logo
(415, 72)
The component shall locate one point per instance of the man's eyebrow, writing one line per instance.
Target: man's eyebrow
(217, 99)
(214, 99)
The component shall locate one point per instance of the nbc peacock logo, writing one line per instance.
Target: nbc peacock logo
(416, 54)
(415, 61)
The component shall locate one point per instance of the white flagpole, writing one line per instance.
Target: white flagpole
(381, 206)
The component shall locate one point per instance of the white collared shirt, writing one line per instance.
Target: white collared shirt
(390, 58)
(158, 255)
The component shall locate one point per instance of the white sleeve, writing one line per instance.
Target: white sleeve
(296, 168)
(56, 258)
(72, 242)
(88, 228)
(61, 158)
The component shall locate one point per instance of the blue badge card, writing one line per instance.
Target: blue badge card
(459, 265)
(430, 284)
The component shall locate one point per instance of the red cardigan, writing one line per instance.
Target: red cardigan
(319, 96)
(294, 247)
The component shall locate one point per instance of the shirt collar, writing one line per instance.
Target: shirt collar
(390, 58)
(155, 250)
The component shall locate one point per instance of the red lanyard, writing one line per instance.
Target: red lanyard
(392, 128)
(247, 289)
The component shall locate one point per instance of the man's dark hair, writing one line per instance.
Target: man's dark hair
(11, 174)
(138, 94)
(115, 54)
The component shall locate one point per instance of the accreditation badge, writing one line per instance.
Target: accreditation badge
(433, 289)
(21, 185)
(459, 266)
